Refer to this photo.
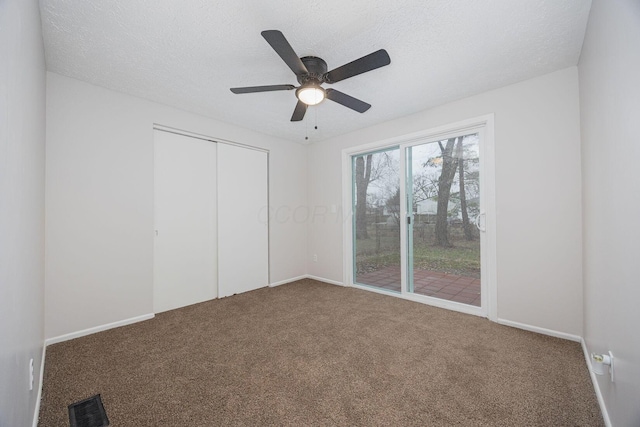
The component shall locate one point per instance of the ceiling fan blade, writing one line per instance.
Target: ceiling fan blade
(282, 47)
(374, 60)
(347, 101)
(298, 113)
(251, 89)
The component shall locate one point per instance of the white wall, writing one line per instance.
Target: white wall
(22, 150)
(99, 237)
(538, 198)
(609, 71)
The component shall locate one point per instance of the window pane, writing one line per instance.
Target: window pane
(444, 246)
(376, 219)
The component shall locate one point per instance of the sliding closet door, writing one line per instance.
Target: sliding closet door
(243, 252)
(184, 263)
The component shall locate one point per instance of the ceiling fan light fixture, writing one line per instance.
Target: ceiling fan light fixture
(311, 94)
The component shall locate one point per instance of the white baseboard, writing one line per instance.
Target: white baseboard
(540, 330)
(284, 282)
(36, 411)
(78, 334)
(305, 276)
(322, 279)
(596, 386)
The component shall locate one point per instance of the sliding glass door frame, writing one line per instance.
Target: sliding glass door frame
(484, 127)
(407, 290)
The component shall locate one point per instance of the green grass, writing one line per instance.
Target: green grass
(383, 250)
(463, 258)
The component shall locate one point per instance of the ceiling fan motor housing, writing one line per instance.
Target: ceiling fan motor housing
(316, 68)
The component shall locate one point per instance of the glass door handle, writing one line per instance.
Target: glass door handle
(481, 228)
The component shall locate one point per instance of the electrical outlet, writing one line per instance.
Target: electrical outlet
(31, 374)
(315, 257)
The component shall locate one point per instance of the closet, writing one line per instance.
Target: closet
(210, 219)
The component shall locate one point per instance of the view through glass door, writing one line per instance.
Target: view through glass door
(376, 219)
(423, 219)
(444, 219)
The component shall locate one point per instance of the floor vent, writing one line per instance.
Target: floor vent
(88, 413)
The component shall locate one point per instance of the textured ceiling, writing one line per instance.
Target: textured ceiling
(189, 53)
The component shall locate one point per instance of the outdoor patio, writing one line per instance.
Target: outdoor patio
(451, 287)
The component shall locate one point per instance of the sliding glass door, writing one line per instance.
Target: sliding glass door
(418, 222)
(443, 201)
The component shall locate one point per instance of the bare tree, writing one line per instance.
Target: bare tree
(382, 169)
(393, 206)
(425, 185)
(449, 166)
(363, 178)
(466, 225)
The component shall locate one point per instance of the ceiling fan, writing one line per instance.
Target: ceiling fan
(311, 72)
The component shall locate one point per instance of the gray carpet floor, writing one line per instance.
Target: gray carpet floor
(312, 354)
